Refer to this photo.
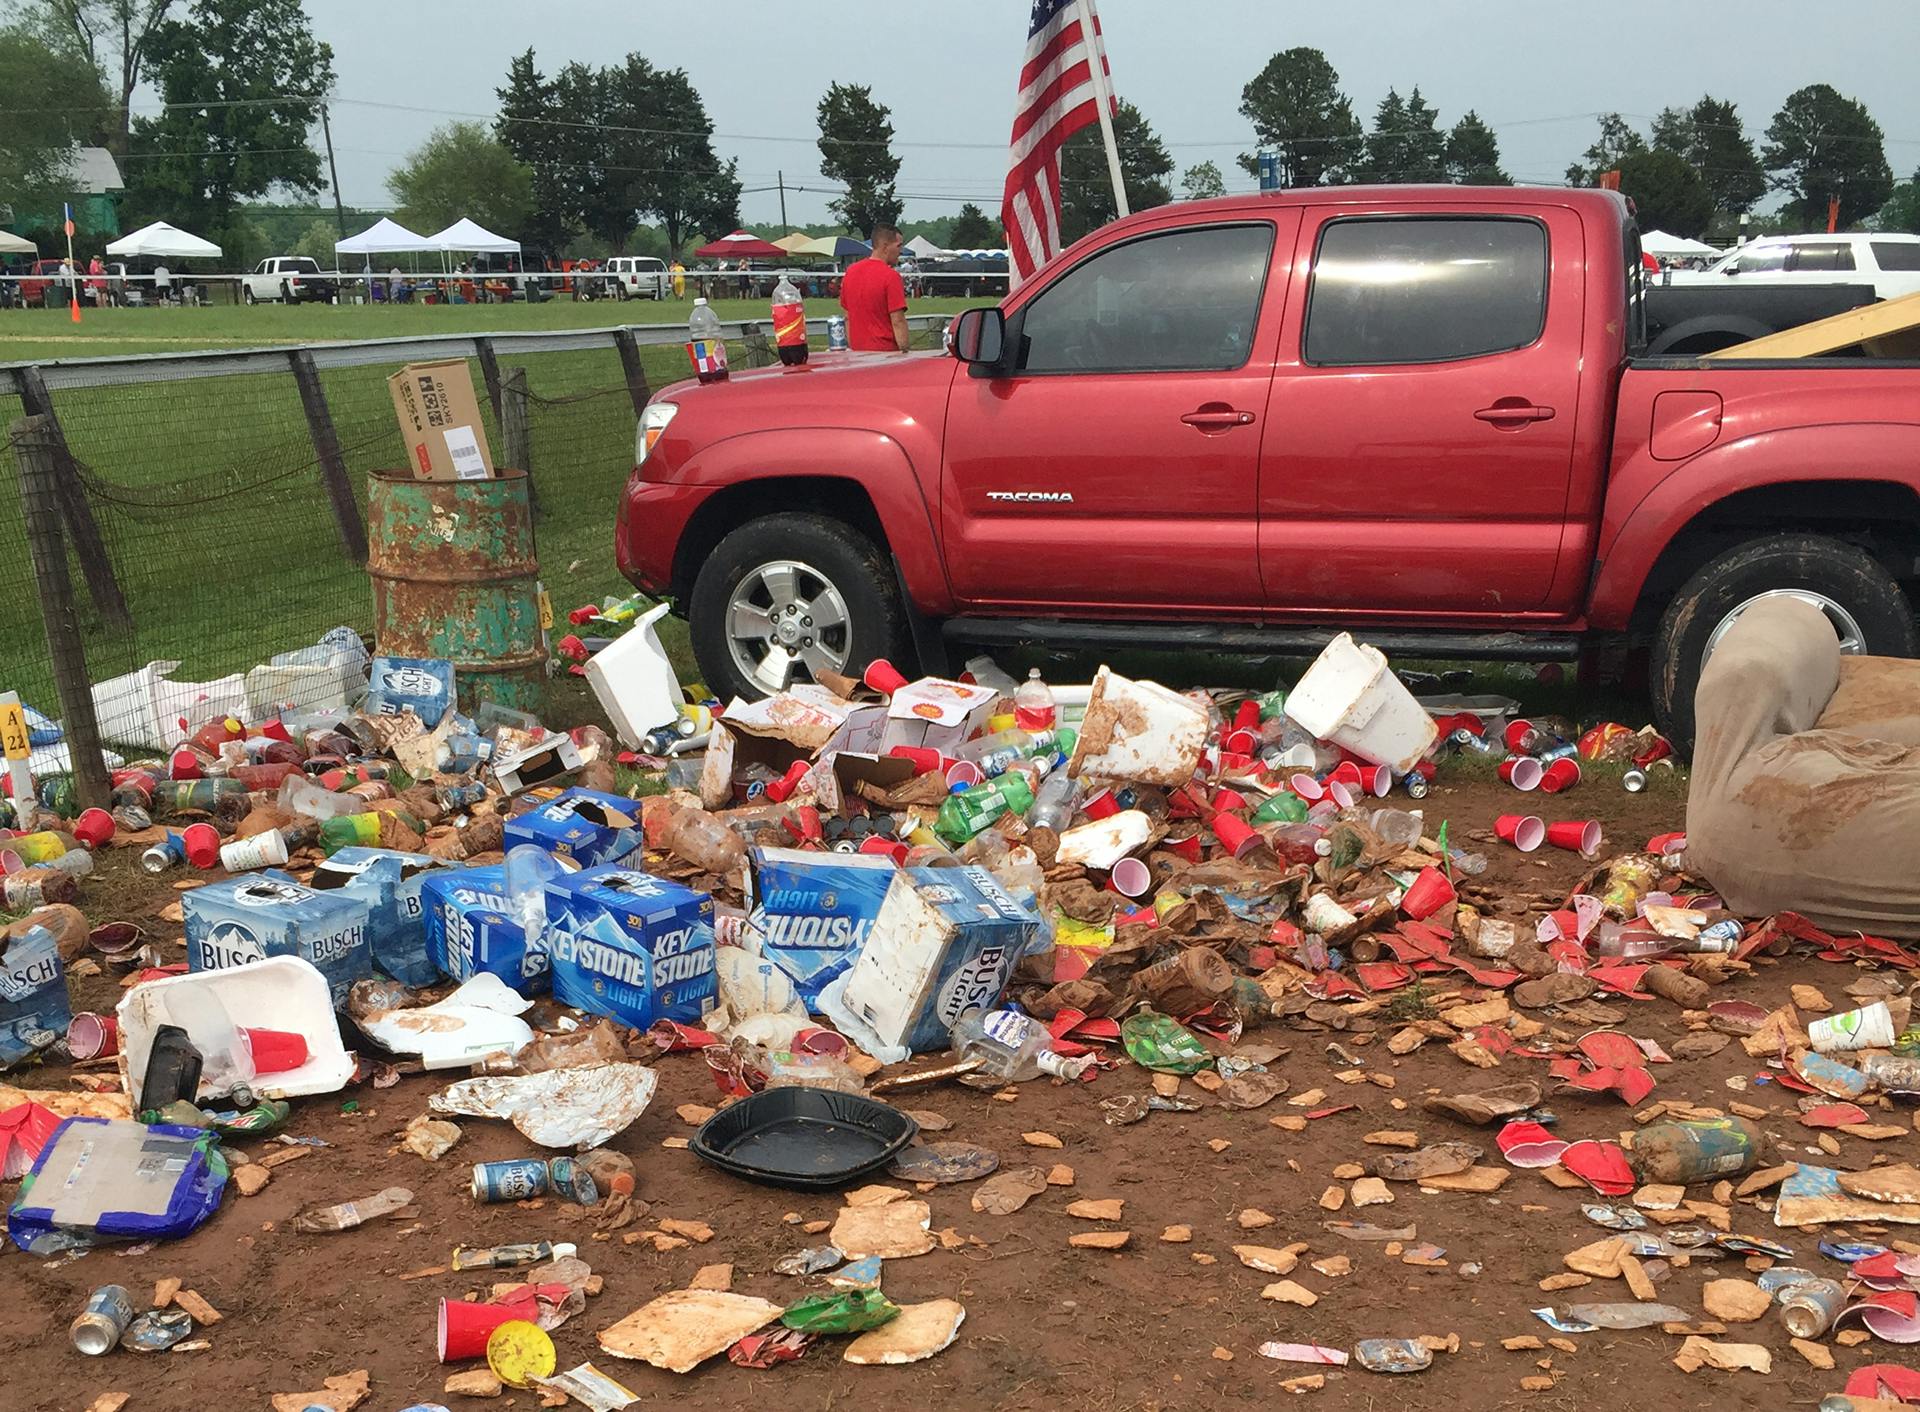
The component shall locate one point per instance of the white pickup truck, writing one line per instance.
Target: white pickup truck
(639, 277)
(288, 279)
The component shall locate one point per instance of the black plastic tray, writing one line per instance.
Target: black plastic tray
(813, 1139)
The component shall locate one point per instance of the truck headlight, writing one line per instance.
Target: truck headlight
(653, 425)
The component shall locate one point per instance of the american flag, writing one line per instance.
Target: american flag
(1057, 99)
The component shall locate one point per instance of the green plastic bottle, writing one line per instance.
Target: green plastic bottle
(970, 811)
(349, 831)
(1285, 807)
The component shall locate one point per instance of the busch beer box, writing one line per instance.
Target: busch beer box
(34, 1009)
(810, 913)
(582, 824)
(946, 940)
(470, 930)
(247, 918)
(630, 946)
(391, 884)
(422, 685)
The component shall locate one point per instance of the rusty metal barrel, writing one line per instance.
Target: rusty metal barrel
(455, 576)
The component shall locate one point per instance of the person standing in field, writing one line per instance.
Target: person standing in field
(875, 297)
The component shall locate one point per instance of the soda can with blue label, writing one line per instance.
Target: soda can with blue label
(518, 1180)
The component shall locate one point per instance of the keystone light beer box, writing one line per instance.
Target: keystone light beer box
(630, 946)
(811, 912)
(391, 884)
(946, 939)
(34, 1009)
(264, 914)
(469, 929)
(582, 824)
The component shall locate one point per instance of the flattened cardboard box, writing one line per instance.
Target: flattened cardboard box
(440, 421)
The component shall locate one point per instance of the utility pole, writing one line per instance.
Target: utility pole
(339, 213)
(782, 178)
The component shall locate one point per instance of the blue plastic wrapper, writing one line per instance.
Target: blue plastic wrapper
(34, 1009)
(242, 919)
(812, 912)
(630, 946)
(392, 884)
(101, 1179)
(582, 824)
(469, 929)
(422, 685)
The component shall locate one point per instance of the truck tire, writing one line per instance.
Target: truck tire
(246, 295)
(785, 595)
(1869, 612)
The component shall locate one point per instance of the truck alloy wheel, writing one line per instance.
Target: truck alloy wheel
(782, 615)
(1852, 640)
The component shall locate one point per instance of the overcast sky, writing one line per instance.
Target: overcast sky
(1536, 72)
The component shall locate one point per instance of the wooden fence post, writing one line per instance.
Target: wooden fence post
(333, 464)
(489, 373)
(71, 497)
(36, 445)
(638, 387)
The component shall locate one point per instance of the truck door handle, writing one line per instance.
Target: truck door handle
(1217, 416)
(1513, 410)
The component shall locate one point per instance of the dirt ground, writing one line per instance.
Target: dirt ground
(1155, 1325)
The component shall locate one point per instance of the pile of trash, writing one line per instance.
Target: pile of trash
(1077, 884)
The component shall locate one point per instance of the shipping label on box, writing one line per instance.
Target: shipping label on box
(440, 421)
(34, 1008)
(582, 824)
(946, 940)
(469, 929)
(810, 913)
(940, 715)
(391, 883)
(630, 946)
(238, 920)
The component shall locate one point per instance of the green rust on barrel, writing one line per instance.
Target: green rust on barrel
(454, 575)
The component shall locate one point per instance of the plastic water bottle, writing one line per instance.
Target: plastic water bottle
(1033, 707)
(529, 868)
(1013, 1047)
(704, 345)
(789, 323)
(1056, 803)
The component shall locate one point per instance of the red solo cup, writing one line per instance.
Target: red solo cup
(572, 648)
(203, 845)
(1102, 806)
(1525, 832)
(889, 847)
(184, 765)
(1519, 735)
(925, 760)
(963, 772)
(1230, 764)
(1427, 894)
(780, 790)
(585, 613)
(1576, 835)
(1187, 848)
(1186, 803)
(1306, 786)
(94, 827)
(276, 1051)
(1247, 717)
(1348, 774)
(11, 862)
(1340, 793)
(883, 676)
(1131, 877)
(1236, 835)
(91, 1036)
(1378, 779)
(1561, 774)
(465, 1327)
(273, 730)
(1228, 801)
(1522, 772)
(1240, 742)
(804, 824)
(1663, 842)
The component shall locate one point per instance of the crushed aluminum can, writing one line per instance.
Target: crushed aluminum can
(1849, 1252)
(1810, 1307)
(857, 1274)
(1751, 1245)
(1614, 1218)
(810, 1261)
(1393, 1355)
(157, 1330)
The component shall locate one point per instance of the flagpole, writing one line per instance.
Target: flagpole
(73, 281)
(1103, 99)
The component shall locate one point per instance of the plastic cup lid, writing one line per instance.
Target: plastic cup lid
(519, 1352)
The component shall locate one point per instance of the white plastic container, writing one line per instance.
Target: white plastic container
(635, 682)
(1137, 731)
(1350, 697)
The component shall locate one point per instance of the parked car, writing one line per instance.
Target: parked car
(290, 279)
(1415, 413)
(639, 277)
(1889, 262)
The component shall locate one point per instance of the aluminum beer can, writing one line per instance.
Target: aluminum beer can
(97, 1328)
(567, 1177)
(837, 333)
(1809, 1307)
(515, 1180)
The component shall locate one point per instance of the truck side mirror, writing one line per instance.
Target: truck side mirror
(979, 338)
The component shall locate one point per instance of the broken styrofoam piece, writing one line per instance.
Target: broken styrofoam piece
(578, 1108)
(478, 1019)
(684, 1327)
(919, 1331)
(1138, 731)
(1104, 842)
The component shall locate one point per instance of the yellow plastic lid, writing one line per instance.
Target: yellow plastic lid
(519, 1351)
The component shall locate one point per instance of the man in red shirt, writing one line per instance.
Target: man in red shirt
(875, 298)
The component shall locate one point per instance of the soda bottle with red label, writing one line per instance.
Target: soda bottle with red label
(1033, 706)
(789, 323)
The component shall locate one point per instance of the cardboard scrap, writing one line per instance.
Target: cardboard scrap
(1287, 1292)
(893, 1232)
(1697, 1353)
(1100, 1240)
(684, 1327)
(340, 1393)
(918, 1331)
(1105, 1209)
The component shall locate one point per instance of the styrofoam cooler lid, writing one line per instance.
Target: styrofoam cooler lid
(1340, 677)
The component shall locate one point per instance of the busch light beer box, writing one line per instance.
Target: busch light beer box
(422, 685)
(391, 884)
(582, 824)
(630, 946)
(946, 940)
(811, 912)
(470, 930)
(34, 1009)
(269, 914)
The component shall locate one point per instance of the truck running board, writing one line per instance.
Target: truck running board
(1251, 637)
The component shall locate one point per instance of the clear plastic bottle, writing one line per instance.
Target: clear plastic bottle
(1012, 1046)
(529, 868)
(701, 839)
(1398, 826)
(1033, 705)
(1056, 803)
(789, 323)
(299, 795)
(704, 345)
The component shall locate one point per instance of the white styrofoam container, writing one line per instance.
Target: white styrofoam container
(635, 682)
(278, 993)
(1350, 697)
(145, 708)
(1138, 731)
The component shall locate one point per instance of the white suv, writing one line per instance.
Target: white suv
(639, 277)
(1888, 262)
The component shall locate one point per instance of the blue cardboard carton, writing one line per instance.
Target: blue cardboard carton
(946, 940)
(391, 884)
(811, 912)
(422, 685)
(34, 1009)
(238, 920)
(469, 929)
(582, 824)
(630, 946)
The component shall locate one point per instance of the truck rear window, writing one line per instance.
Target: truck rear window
(1425, 290)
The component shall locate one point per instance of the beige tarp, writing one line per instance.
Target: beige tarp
(1805, 794)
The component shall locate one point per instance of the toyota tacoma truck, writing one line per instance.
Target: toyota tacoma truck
(1415, 413)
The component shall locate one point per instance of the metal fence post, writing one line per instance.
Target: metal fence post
(759, 353)
(71, 498)
(333, 465)
(516, 425)
(489, 372)
(637, 386)
(36, 445)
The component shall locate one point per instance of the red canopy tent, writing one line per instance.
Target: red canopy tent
(741, 245)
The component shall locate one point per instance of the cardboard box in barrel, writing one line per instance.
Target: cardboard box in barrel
(440, 421)
(238, 920)
(392, 884)
(630, 946)
(585, 825)
(470, 930)
(34, 1009)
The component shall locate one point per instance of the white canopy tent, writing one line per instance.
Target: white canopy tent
(469, 237)
(161, 241)
(11, 244)
(384, 237)
(923, 249)
(1659, 244)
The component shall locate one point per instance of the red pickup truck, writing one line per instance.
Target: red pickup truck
(1246, 424)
